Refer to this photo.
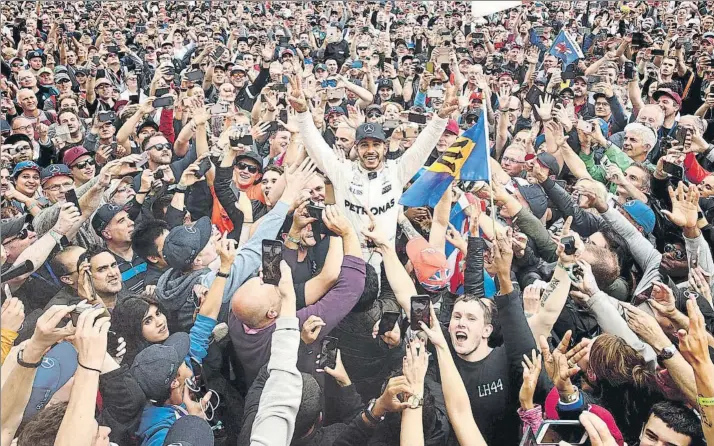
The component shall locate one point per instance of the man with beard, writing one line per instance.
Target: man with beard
(583, 108)
(212, 81)
(160, 156)
(101, 265)
(113, 225)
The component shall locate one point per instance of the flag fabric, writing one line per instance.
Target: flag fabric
(466, 160)
(566, 48)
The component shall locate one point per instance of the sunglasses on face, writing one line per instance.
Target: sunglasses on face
(21, 236)
(83, 164)
(162, 146)
(249, 167)
(677, 253)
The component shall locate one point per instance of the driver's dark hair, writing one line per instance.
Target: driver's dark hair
(680, 419)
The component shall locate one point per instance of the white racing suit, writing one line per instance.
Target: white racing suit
(379, 190)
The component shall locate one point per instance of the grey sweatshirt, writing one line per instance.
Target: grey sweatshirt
(605, 309)
(274, 423)
(646, 256)
(250, 254)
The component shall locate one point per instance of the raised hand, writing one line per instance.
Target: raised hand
(451, 104)
(13, 314)
(693, 342)
(685, 205)
(531, 372)
(297, 96)
(545, 107)
(336, 221)
(585, 285)
(339, 372)
(557, 365)
(227, 250)
(311, 329)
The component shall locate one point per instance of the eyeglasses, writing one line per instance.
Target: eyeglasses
(677, 253)
(245, 166)
(21, 236)
(83, 164)
(24, 128)
(57, 187)
(508, 159)
(161, 146)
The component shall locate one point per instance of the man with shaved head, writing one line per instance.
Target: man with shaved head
(256, 306)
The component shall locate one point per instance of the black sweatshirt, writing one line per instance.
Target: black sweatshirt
(494, 382)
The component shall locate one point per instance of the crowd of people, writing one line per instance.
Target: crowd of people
(203, 240)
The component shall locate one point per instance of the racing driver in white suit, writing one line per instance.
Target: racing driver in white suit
(370, 181)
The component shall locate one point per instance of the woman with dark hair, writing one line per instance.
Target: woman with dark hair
(141, 322)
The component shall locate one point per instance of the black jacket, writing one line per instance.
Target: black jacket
(246, 96)
(122, 404)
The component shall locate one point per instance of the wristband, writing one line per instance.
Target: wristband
(88, 368)
(220, 274)
(34, 205)
(705, 402)
(143, 192)
(27, 365)
(56, 236)
(293, 240)
(181, 188)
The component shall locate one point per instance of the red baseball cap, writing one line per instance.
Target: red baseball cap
(452, 126)
(73, 154)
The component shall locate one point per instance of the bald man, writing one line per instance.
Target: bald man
(252, 320)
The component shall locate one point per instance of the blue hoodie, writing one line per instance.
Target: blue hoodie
(156, 420)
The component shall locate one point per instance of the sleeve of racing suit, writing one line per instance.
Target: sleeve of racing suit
(414, 158)
(321, 154)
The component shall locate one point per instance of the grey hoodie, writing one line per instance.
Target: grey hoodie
(175, 293)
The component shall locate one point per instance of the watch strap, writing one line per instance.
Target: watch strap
(220, 274)
(27, 365)
(368, 412)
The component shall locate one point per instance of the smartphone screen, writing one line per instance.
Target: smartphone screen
(420, 311)
(388, 321)
(203, 167)
(194, 76)
(533, 95)
(134, 99)
(71, 197)
(218, 53)
(629, 70)
(568, 431)
(272, 255)
(283, 115)
(163, 102)
(161, 92)
(317, 225)
(328, 353)
(417, 118)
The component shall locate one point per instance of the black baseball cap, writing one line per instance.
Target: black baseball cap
(103, 216)
(370, 130)
(184, 243)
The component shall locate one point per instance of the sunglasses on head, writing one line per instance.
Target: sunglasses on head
(161, 146)
(245, 166)
(83, 164)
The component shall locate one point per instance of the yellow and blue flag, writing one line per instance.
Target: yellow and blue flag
(466, 160)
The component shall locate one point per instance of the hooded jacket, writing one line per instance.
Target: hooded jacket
(175, 293)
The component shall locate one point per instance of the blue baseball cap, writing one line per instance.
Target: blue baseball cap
(25, 165)
(641, 214)
(58, 366)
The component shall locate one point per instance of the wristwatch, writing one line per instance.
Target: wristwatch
(415, 401)
(370, 416)
(570, 398)
(28, 365)
(667, 353)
